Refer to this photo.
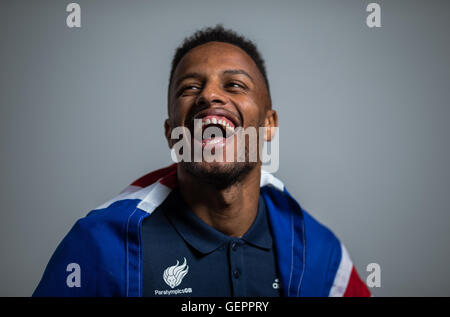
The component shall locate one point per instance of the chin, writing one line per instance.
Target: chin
(219, 174)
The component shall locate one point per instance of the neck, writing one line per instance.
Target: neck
(230, 210)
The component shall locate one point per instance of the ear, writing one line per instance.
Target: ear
(168, 132)
(271, 123)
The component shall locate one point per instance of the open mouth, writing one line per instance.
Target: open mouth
(214, 129)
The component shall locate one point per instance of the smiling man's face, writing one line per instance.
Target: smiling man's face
(221, 86)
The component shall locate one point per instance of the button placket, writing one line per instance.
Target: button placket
(236, 252)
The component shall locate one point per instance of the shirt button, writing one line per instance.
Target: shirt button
(234, 246)
(236, 273)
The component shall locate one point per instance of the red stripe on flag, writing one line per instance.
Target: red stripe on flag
(152, 177)
(170, 180)
(356, 287)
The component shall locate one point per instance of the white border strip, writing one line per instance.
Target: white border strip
(154, 198)
(131, 192)
(268, 179)
(343, 273)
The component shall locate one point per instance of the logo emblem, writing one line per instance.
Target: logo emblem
(173, 275)
(276, 284)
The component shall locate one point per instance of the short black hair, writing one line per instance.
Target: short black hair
(219, 34)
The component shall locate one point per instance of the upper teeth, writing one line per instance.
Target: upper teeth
(229, 128)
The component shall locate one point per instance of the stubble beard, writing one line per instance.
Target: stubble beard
(219, 175)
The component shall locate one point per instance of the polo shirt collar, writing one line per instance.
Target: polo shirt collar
(259, 233)
(205, 238)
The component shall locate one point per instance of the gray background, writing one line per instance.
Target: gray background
(363, 121)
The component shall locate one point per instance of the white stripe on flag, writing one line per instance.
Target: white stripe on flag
(269, 179)
(342, 275)
(131, 192)
(154, 198)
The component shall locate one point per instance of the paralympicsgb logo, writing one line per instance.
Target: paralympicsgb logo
(173, 275)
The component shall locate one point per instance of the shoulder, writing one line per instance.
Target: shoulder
(104, 245)
(95, 248)
(327, 267)
(319, 234)
(329, 255)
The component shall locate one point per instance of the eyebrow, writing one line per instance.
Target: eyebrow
(228, 71)
(237, 72)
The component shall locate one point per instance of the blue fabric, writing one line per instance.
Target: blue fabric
(322, 258)
(107, 246)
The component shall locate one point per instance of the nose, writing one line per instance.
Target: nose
(211, 94)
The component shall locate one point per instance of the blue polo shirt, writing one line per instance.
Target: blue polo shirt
(183, 256)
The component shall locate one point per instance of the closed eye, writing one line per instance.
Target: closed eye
(192, 87)
(232, 86)
(236, 85)
(188, 88)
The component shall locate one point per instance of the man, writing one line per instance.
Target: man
(206, 227)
